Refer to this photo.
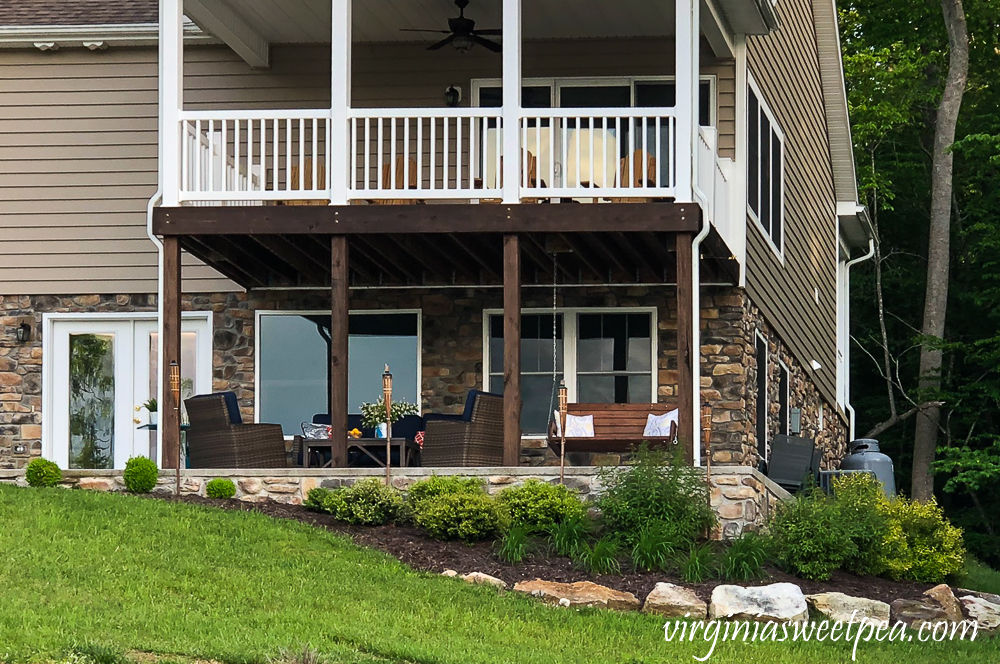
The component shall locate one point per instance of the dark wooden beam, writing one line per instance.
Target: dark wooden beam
(584, 257)
(292, 256)
(170, 418)
(200, 246)
(339, 308)
(467, 244)
(635, 257)
(511, 350)
(687, 355)
(379, 219)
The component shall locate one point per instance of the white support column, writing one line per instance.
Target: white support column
(339, 149)
(171, 98)
(511, 100)
(686, 57)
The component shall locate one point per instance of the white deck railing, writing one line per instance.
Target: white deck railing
(454, 153)
(712, 188)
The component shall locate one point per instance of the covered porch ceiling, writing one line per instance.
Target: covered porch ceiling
(308, 21)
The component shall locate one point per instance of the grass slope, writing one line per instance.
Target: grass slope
(130, 573)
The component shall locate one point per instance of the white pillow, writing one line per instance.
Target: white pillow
(658, 426)
(577, 426)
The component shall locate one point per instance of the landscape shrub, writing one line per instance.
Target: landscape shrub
(140, 474)
(697, 564)
(438, 485)
(921, 545)
(601, 558)
(653, 548)
(566, 537)
(369, 503)
(461, 516)
(744, 557)
(540, 504)
(316, 498)
(220, 488)
(513, 546)
(810, 537)
(862, 505)
(42, 472)
(655, 491)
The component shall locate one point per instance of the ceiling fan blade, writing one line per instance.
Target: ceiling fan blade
(444, 32)
(486, 43)
(441, 44)
(495, 32)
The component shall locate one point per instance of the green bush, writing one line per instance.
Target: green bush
(744, 558)
(220, 488)
(601, 558)
(438, 485)
(921, 545)
(568, 536)
(541, 505)
(462, 516)
(653, 548)
(697, 564)
(140, 474)
(316, 498)
(42, 472)
(811, 538)
(861, 502)
(369, 503)
(655, 491)
(513, 546)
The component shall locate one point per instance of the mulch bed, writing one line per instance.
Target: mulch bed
(416, 549)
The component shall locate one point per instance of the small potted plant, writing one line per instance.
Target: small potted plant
(373, 414)
(150, 405)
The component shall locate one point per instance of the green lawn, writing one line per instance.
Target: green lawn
(134, 574)
(980, 577)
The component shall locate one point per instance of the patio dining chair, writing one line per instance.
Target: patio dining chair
(219, 439)
(637, 170)
(474, 438)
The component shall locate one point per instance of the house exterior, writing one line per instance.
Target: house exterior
(282, 197)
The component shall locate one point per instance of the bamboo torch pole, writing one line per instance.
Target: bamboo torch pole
(706, 431)
(175, 391)
(387, 398)
(563, 407)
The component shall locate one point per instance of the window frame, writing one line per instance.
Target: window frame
(258, 314)
(784, 381)
(570, 323)
(763, 365)
(764, 110)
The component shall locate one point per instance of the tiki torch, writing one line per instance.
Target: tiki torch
(706, 430)
(387, 398)
(563, 407)
(175, 393)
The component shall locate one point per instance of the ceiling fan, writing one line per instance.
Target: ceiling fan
(462, 33)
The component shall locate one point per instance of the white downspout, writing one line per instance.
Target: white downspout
(847, 269)
(160, 365)
(706, 226)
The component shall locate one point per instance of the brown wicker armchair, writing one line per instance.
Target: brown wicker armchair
(218, 438)
(472, 439)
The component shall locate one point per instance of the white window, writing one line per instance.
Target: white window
(604, 357)
(765, 168)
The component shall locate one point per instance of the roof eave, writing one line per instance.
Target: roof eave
(70, 36)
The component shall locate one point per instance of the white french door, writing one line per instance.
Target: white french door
(101, 375)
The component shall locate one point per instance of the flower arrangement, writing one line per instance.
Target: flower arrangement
(373, 414)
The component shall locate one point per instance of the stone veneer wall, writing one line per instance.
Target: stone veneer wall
(452, 355)
(741, 496)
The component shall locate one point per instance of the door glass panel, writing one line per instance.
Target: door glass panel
(189, 366)
(91, 400)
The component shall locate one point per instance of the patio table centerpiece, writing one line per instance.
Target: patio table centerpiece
(373, 414)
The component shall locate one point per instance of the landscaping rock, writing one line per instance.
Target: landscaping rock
(450, 573)
(914, 613)
(96, 484)
(946, 599)
(838, 606)
(989, 597)
(985, 613)
(485, 579)
(778, 602)
(581, 593)
(251, 485)
(672, 601)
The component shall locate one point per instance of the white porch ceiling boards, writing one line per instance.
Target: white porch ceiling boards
(308, 21)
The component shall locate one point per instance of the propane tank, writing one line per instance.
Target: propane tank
(865, 455)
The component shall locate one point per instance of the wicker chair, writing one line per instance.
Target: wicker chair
(472, 439)
(218, 438)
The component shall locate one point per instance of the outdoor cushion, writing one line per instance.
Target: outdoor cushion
(659, 426)
(577, 426)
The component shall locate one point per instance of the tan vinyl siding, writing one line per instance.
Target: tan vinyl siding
(78, 137)
(785, 66)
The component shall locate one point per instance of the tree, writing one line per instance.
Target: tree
(928, 420)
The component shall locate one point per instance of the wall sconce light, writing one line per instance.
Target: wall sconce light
(816, 366)
(452, 96)
(23, 333)
(795, 421)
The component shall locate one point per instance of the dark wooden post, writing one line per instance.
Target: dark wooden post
(170, 414)
(686, 355)
(511, 350)
(339, 311)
